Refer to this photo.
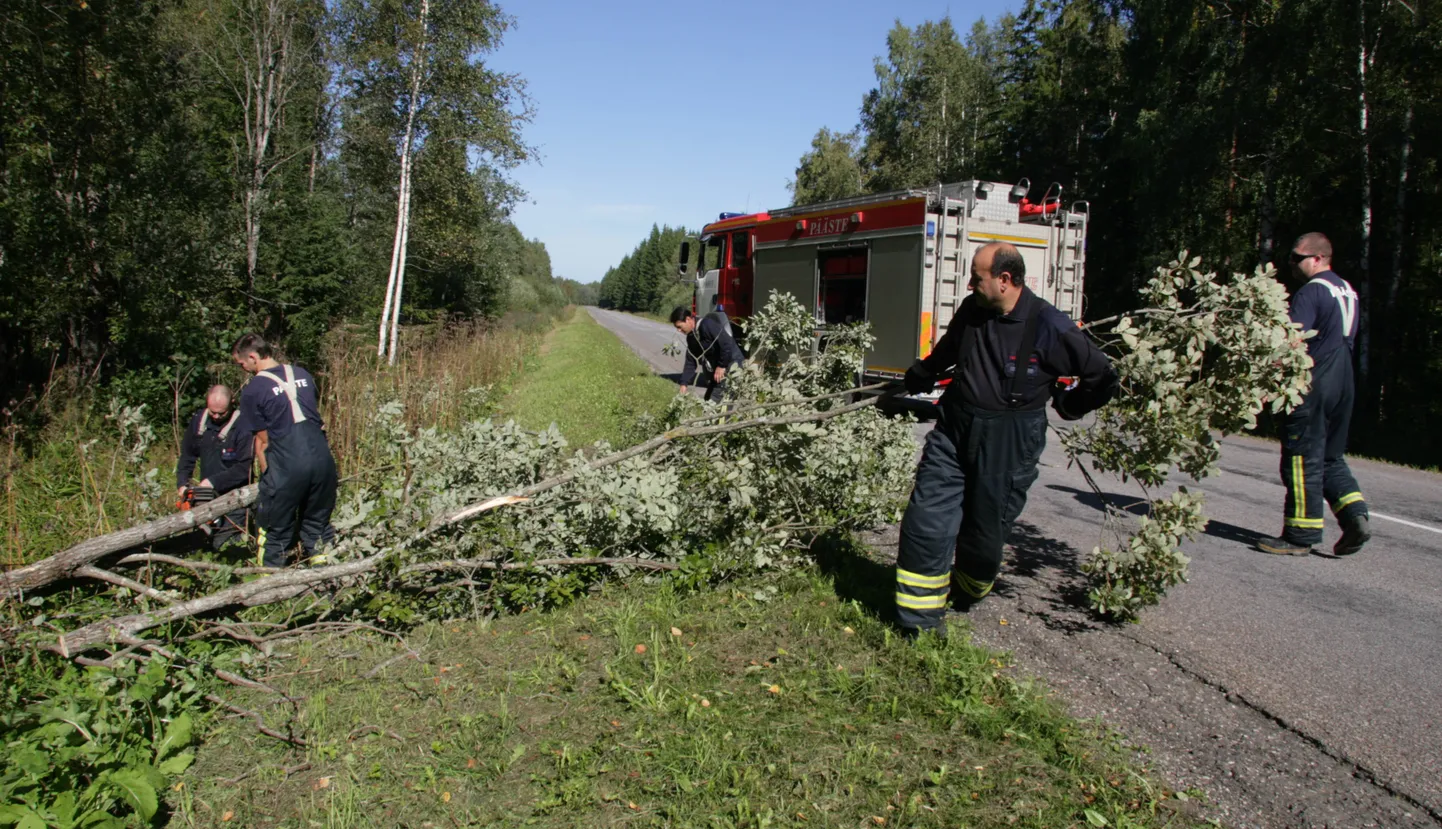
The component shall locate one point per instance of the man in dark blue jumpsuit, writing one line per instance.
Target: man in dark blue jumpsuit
(1007, 347)
(297, 471)
(218, 438)
(1314, 435)
(708, 345)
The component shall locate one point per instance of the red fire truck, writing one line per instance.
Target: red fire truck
(900, 260)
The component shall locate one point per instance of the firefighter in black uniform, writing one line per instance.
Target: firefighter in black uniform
(297, 470)
(708, 345)
(1008, 347)
(1314, 435)
(219, 439)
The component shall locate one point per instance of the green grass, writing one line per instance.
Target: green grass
(781, 703)
(588, 383)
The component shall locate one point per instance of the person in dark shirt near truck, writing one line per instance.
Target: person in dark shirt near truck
(1006, 347)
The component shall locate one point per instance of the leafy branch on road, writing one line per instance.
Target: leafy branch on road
(1206, 355)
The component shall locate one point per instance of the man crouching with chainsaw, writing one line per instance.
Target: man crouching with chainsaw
(220, 440)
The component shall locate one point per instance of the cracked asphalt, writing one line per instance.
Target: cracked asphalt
(1294, 692)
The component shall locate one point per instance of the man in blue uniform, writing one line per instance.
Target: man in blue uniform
(1005, 349)
(219, 440)
(297, 470)
(1314, 435)
(710, 347)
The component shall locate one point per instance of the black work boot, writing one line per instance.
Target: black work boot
(1355, 533)
(1283, 547)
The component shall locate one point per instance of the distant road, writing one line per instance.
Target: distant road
(1296, 692)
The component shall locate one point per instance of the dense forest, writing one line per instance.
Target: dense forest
(646, 280)
(1222, 128)
(178, 171)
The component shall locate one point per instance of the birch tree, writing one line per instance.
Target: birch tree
(416, 78)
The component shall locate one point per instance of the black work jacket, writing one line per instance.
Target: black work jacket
(982, 380)
(225, 461)
(709, 346)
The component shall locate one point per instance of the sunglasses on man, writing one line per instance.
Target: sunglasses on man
(1298, 258)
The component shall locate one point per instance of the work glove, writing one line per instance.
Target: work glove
(918, 380)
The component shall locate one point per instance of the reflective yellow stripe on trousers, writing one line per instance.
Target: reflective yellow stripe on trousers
(935, 587)
(1299, 491)
(911, 579)
(1347, 500)
(976, 589)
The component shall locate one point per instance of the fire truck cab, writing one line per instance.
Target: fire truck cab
(899, 260)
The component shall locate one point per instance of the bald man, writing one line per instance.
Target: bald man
(218, 438)
(1314, 435)
(1004, 351)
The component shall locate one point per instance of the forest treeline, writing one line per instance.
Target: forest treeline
(646, 279)
(1225, 129)
(178, 171)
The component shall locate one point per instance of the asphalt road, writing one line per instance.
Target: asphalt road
(1296, 692)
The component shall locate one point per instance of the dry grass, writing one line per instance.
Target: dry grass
(443, 376)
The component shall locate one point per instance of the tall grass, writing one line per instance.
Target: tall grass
(85, 472)
(76, 465)
(443, 376)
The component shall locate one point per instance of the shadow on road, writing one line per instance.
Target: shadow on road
(1216, 529)
(1042, 571)
(1133, 504)
(1231, 532)
(1059, 593)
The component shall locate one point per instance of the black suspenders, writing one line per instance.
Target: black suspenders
(1015, 387)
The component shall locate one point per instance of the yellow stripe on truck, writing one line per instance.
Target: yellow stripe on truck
(1028, 241)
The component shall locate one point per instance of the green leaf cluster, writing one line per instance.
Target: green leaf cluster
(1204, 358)
(90, 747)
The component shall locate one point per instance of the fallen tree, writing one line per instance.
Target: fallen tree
(65, 564)
(1207, 355)
(709, 490)
(281, 585)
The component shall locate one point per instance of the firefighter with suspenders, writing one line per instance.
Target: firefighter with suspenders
(1004, 350)
(218, 438)
(297, 470)
(1314, 435)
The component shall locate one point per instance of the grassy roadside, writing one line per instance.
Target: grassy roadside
(587, 382)
(772, 702)
(763, 704)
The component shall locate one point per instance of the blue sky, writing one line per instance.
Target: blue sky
(669, 113)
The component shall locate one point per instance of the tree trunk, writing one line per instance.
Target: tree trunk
(1267, 224)
(401, 270)
(1364, 284)
(64, 564)
(391, 314)
(267, 73)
